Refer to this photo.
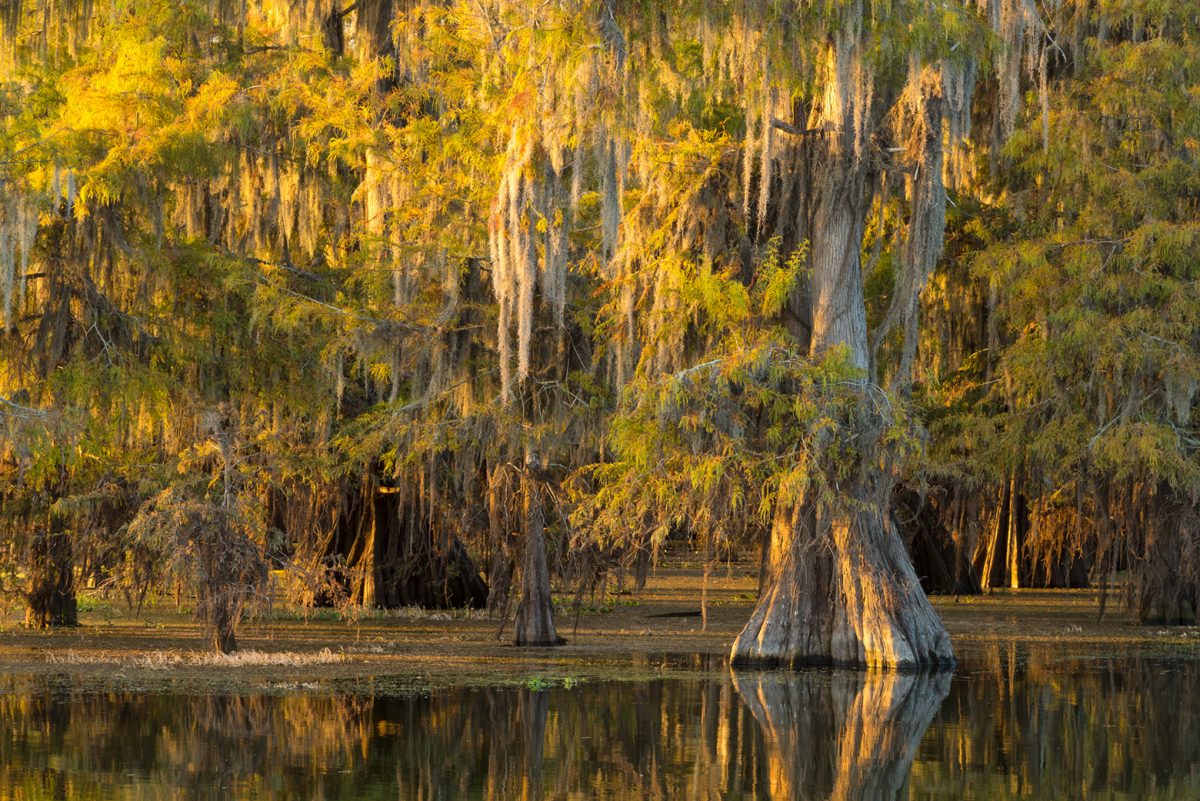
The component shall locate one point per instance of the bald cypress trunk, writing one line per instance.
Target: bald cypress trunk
(534, 624)
(840, 586)
(50, 593)
(841, 590)
(1162, 587)
(224, 630)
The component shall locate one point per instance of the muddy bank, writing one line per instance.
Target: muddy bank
(657, 632)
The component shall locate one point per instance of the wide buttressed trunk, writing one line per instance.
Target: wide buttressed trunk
(841, 588)
(841, 591)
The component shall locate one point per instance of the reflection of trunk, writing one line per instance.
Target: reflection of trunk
(842, 736)
(534, 624)
(50, 593)
(840, 588)
(534, 710)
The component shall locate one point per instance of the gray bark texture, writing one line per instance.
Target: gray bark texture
(840, 587)
(534, 624)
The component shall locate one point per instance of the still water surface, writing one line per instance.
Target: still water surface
(1008, 724)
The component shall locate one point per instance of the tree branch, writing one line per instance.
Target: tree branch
(793, 130)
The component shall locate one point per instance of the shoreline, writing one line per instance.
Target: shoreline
(652, 634)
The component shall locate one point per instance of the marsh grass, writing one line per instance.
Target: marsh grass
(362, 614)
(167, 660)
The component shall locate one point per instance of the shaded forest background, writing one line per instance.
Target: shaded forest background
(453, 303)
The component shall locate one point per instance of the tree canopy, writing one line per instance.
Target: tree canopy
(453, 301)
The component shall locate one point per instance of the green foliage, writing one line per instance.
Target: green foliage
(1085, 393)
(333, 239)
(1099, 286)
(715, 449)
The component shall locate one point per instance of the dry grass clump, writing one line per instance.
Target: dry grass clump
(364, 614)
(420, 613)
(166, 660)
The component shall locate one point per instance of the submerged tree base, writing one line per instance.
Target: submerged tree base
(850, 598)
(557, 643)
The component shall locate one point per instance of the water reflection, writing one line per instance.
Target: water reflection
(1030, 723)
(849, 736)
(1009, 724)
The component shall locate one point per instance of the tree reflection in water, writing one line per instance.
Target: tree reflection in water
(842, 735)
(1010, 724)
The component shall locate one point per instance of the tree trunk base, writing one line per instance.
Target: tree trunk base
(534, 624)
(536, 638)
(50, 595)
(1160, 606)
(53, 612)
(937, 557)
(224, 641)
(1163, 587)
(848, 599)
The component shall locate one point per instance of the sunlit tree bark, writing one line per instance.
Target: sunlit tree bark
(841, 588)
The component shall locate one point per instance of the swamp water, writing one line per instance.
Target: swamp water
(1009, 723)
